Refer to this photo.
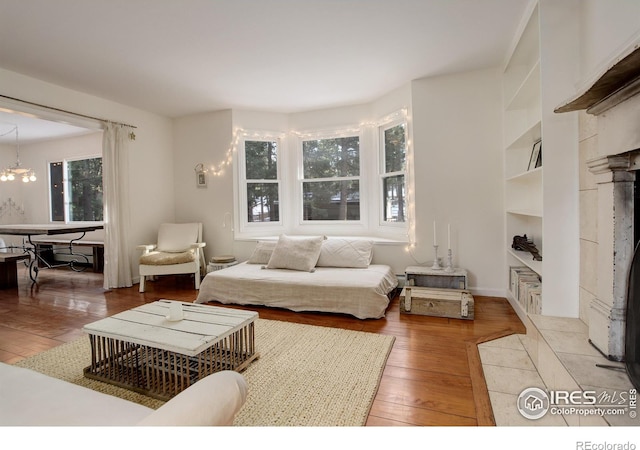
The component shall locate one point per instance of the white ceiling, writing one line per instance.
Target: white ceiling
(179, 57)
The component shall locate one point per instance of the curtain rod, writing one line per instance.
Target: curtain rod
(66, 112)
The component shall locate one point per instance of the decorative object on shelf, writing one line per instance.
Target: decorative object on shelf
(526, 288)
(436, 261)
(449, 267)
(201, 175)
(525, 244)
(17, 171)
(535, 160)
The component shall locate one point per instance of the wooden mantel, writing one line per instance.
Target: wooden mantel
(618, 83)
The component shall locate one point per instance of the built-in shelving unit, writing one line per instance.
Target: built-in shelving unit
(543, 202)
(522, 129)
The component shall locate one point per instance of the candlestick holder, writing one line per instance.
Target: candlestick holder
(449, 267)
(436, 263)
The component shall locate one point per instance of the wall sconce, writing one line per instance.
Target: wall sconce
(201, 175)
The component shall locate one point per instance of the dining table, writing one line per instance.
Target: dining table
(36, 260)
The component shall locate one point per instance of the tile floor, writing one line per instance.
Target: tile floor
(555, 354)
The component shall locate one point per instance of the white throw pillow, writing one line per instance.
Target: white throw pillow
(296, 253)
(262, 253)
(345, 253)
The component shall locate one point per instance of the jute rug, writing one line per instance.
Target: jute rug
(306, 375)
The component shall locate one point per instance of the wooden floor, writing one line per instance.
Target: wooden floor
(433, 375)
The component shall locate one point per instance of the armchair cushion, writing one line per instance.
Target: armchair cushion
(166, 258)
(177, 237)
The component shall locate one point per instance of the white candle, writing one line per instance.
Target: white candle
(434, 233)
(449, 236)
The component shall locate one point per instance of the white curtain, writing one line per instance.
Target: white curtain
(115, 176)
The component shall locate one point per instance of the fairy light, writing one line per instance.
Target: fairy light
(239, 134)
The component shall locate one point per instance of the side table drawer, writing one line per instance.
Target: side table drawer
(437, 281)
(441, 279)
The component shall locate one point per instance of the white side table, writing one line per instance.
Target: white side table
(212, 267)
(428, 277)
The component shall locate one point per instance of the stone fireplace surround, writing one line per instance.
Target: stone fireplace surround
(615, 105)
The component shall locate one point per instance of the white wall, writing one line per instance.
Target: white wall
(204, 138)
(458, 166)
(150, 155)
(607, 28)
(459, 171)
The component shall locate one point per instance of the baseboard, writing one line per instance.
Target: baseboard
(488, 292)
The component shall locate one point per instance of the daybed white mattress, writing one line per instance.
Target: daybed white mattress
(359, 292)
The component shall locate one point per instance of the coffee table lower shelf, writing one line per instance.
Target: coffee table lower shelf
(163, 374)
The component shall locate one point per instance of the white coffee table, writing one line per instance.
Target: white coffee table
(141, 349)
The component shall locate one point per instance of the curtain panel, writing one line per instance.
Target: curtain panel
(117, 263)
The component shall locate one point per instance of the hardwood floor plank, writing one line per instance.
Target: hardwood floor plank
(393, 414)
(430, 377)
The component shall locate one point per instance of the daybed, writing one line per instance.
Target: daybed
(340, 279)
(29, 398)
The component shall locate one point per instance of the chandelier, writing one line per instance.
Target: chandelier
(17, 171)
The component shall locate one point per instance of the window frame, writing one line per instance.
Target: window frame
(359, 226)
(67, 190)
(382, 174)
(247, 227)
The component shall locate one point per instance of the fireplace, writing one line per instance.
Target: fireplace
(612, 313)
(632, 329)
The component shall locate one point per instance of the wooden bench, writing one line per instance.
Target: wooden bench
(9, 270)
(45, 248)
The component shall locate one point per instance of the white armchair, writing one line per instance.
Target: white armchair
(179, 250)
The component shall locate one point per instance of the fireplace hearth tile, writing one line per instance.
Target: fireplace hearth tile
(585, 372)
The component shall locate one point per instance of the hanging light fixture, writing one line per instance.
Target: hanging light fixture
(17, 171)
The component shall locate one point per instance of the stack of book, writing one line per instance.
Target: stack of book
(526, 288)
(221, 262)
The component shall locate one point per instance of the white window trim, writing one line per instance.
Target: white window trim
(355, 227)
(253, 229)
(382, 174)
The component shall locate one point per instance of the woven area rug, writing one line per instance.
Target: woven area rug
(306, 375)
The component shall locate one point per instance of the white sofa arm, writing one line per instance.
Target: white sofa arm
(214, 400)
(198, 245)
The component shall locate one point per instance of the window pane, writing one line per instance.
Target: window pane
(263, 204)
(331, 200)
(261, 158)
(85, 189)
(394, 199)
(328, 158)
(394, 149)
(56, 191)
